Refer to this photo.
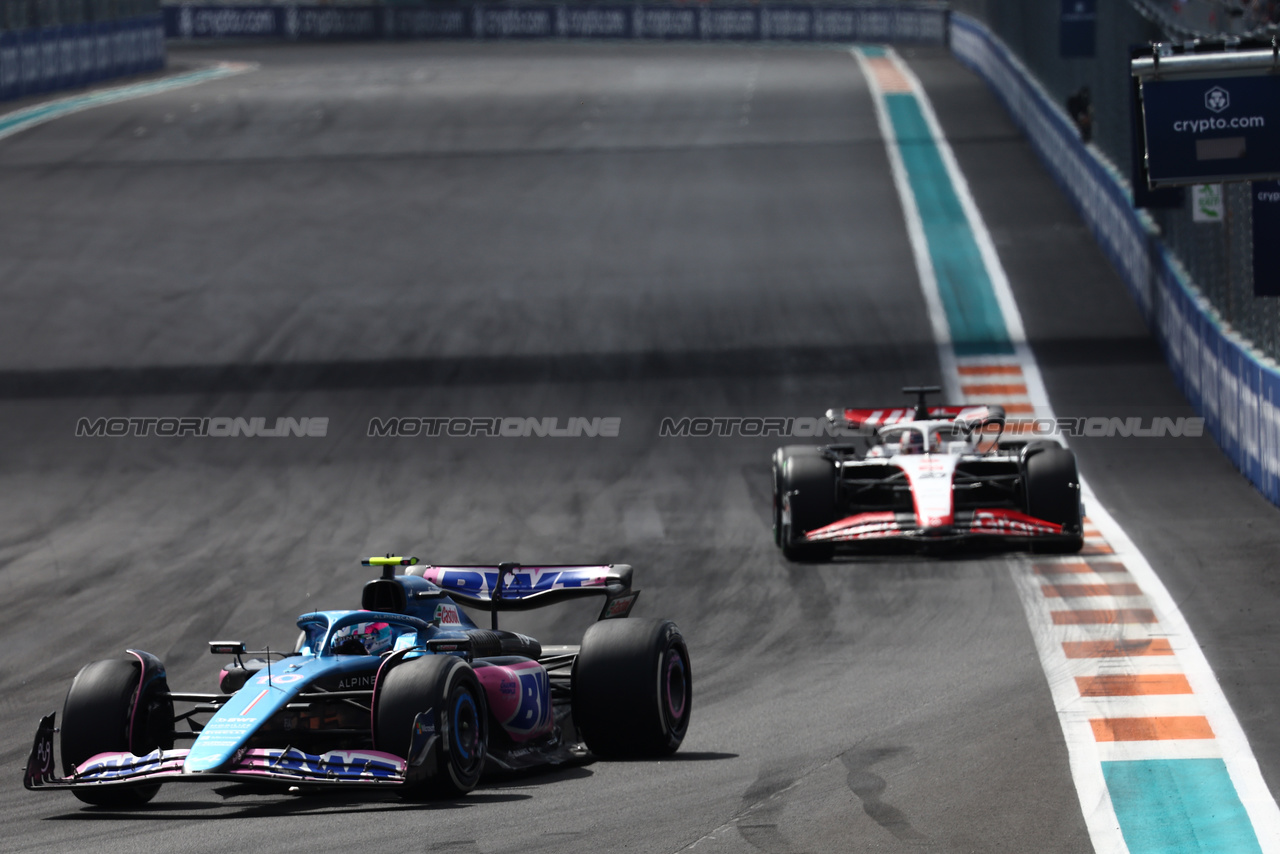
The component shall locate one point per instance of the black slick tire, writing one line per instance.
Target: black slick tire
(806, 481)
(632, 688)
(447, 686)
(1053, 494)
(99, 717)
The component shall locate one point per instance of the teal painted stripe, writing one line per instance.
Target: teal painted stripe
(1179, 806)
(977, 324)
(20, 120)
(872, 51)
(1170, 806)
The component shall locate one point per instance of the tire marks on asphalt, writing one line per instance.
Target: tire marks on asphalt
(870, 787)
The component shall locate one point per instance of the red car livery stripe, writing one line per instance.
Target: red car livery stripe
(986, 522)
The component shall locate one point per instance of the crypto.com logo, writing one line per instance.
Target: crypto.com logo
(1217, 99)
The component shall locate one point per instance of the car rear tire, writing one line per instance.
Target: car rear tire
(448, 686)
(1053, 494)
(806, 480)
(98, 717)
(632, 688)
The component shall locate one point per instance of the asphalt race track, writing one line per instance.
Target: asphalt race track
(558, 230)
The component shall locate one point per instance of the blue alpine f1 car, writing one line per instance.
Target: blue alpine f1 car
(407, 694)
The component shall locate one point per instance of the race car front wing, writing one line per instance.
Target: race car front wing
(287, 766)
(995, 522)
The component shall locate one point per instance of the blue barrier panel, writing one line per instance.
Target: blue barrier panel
(161, 55)
(1269, 435)
(141, 44)
(10, 66)
(103, 43)
(732, 24)
(84, 54)
(413, 22)
(32, 55)
(563, 20)
(215, 22)
(332, 22)
(874, 25)
(64, 53)
(137, 54)
(664, 23)
(786, 23)
(119, 50)
(127, 33)
(1251, 417)
(152, 37)
(593, 22)
(831, 25)
(514, 22)
(146, 45)
(51, 58)
(148, 49)
(48, 59)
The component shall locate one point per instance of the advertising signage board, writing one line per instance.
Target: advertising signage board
(1210, 129)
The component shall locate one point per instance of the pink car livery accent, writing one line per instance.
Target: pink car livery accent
(286, 764)
(519, 696)
(405, 692)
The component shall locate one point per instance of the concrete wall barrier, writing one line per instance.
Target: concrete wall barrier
(899, 22)
(1231, 384)
(47, 59)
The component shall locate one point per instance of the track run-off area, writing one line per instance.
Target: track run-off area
(614, 231)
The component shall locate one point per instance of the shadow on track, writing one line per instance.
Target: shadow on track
(749, 363)
(283, 806)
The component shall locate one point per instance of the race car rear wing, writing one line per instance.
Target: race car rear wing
(512, 587)
(967, 417)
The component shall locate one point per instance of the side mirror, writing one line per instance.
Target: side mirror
(227, 647)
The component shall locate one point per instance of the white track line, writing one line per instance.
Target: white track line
(1085, 752)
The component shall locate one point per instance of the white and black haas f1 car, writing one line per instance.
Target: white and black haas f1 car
(406, 694)
(925, 478)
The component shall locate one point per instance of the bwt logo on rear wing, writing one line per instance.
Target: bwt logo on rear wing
(512, 587)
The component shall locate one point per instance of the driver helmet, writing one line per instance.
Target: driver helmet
(912, 442)
(375, 637)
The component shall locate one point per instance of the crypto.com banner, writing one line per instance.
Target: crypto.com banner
(1212, 129)
(897, 22)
